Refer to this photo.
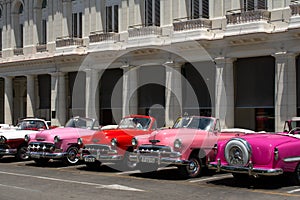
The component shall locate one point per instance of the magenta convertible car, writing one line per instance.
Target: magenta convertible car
(264, 154)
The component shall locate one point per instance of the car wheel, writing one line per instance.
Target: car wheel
(72, 157)
(93, 165)
(295, 179)
(193, 169)
(21, 153)
(41, 161)
(147, 167)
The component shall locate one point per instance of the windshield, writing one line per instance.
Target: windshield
(134, 123)
(194, 123)
(295, 124)
(31, 125)
(83, 123)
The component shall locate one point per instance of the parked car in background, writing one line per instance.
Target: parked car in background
(114, 145)
(12, 138)
(189, 145)
(268, 154)
(60, 143)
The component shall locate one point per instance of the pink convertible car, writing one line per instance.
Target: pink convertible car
(261, 155)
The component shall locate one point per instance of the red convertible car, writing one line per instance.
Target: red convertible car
(114, 145)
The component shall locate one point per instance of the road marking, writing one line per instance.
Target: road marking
(70, 167)
(19, 188)
(112, 187)
(129, 172)
(293, 191)
(211, 178)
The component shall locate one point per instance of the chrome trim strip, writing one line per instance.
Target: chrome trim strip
(292, 159)
(246, 170)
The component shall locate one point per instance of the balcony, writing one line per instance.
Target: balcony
(240, 17)
(68, 41)
(100, 36)
(142, 31)
(185, 24)
(18, 51)
(295, 18)
(41, 47)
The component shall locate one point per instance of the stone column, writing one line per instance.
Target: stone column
(224, 96)
(130, 86)
(30, 111)
(8, 100)
(285, 88)
(92, 93)
(58, 99)
(173, 93)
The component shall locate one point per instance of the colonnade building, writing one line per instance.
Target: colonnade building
(235, 60)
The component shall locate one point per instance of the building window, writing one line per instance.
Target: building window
(199, 9)
(0, 39)
(254, 5)
(44, 32)
(77, 25)
(112, 18)
(44, 4)
(152, 12)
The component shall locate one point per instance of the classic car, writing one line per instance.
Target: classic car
(12, 141)
(60, 143)
(261, 155)
(189, 145)
(115, 144)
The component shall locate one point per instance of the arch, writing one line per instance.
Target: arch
(16, 5)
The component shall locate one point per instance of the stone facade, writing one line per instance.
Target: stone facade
(44, 43)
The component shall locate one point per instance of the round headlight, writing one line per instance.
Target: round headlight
(56, 139)
(2, 139)
(114, 142)
(177, 143)
(27, 138)
(134, 142)
(79, 141)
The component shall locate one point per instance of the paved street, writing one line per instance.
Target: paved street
(26, 180)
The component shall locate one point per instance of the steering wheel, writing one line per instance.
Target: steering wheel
(295, 130)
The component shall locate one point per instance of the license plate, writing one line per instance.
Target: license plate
(148, 159)
(36, 156)
(89, 159)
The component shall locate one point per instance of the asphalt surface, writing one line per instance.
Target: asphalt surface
(26, 180)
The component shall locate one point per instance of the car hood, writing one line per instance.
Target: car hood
(105, 136)
(167, 137)
(63, 133)
(16, 134)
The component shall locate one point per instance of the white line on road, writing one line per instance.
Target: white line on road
(129, 172)
(293, 191)
(211, 178)
(19, 188)
(112, 187)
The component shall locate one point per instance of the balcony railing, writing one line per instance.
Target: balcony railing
(68, 41)
(295, 9)
(100, 36)
(141, 30)
(41, 47)
(183, 24)
(237, 17)
(18, 51)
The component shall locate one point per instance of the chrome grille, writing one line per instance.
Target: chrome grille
(154, 148)
(41, 147)
(94, 148)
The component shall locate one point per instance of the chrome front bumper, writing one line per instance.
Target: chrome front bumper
(8, 151)
(100, 155)
(250, 170)
(159, 158)
(38, 155)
